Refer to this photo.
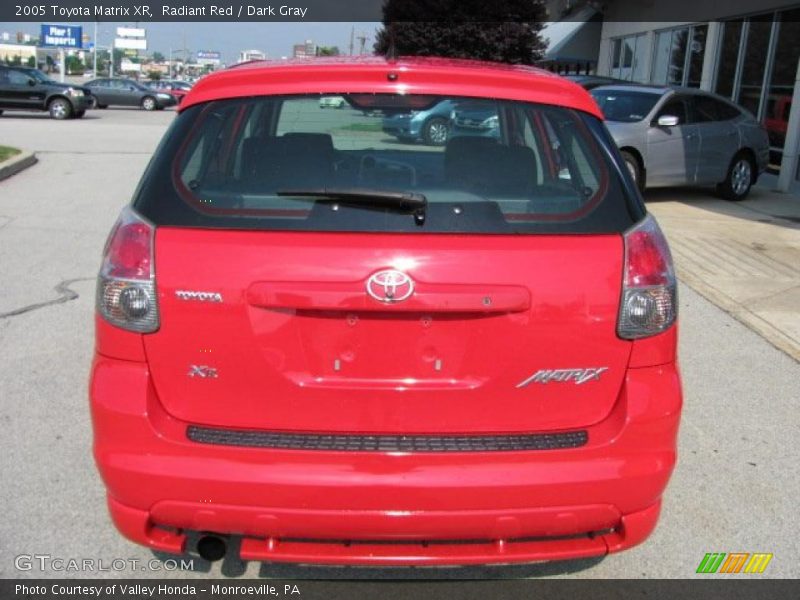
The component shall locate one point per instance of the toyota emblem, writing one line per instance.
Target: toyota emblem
(390, 286)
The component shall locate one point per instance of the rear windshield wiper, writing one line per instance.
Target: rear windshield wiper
(410, 202)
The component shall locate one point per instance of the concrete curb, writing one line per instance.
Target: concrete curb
(18, 163)
(741, 313)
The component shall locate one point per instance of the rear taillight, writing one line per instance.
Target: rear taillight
(126, 287)
(649, 294)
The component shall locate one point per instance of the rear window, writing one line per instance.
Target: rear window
(625, 106)
(284, 163)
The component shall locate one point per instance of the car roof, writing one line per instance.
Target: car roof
(574, 77)
(659, 89)
(372, 74)
(635, 87)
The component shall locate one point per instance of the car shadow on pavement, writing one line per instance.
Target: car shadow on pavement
(232, 566)
(762, 205)
(43, 116)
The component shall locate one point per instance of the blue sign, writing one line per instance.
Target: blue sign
(61, 36)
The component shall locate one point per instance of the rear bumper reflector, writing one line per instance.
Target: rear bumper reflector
(140, 526)
(387, 443)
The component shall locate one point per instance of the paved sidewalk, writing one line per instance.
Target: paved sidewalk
(744, 257)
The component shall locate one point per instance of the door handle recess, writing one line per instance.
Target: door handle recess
(432, 298)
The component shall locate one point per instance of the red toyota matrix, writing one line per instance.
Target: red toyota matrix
(348, 348)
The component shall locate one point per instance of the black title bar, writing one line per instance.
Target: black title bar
(144, 11)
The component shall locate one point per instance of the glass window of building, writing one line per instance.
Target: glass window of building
(616, 45)
(696, 50)
(754, 62)
(639, 72)
(661, 57)
(629, 58)
(781, 84)
(756, 68)
(728, 57)
(678, 56)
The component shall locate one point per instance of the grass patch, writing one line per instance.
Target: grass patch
(7, 152)
(372, 127)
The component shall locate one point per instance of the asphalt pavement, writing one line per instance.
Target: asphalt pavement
(734, 489)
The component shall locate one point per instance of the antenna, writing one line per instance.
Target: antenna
(352, 34)
(362, 38)
(391, 53)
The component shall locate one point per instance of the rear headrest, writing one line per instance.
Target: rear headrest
(291, 160)
(321, 143)
(485, 166)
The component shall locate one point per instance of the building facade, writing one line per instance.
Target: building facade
(250, 55)
(307, 49)
(746, 51)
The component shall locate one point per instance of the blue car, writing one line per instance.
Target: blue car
(475, 119)
(430, 126)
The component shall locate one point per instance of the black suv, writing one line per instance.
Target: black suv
(22, 88)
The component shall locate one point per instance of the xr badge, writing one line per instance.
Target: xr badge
(202, 371)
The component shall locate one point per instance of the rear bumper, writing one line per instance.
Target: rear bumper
(395, 508)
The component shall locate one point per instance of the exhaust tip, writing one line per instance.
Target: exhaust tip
(211, 548)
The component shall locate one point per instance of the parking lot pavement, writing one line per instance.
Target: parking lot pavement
(734, 489)
(744, 257)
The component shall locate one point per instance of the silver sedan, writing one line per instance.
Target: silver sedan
(682, 136)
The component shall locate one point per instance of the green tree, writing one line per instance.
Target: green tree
(73, 65)
(154, 75)
(158, 57)
(32, 62)
(507, 31)
(118, 56)
(328, 51)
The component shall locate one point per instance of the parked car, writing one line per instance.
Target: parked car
(430, 126)
(776, 122)
(682, 136)
(589, 82)
(332, 102)
(475, 118)
(354, 353)
(22, 88)
(178, 89)
(127, 92)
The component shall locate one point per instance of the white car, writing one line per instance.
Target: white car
(332, 102)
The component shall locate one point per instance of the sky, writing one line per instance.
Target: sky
(276, 39)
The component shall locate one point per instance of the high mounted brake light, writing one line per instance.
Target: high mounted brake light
(126, 284)
(649, 290)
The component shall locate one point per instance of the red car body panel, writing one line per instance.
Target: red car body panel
(371, 75)
(178, 93)
(277, 356)
(300, 348)
(155, 476)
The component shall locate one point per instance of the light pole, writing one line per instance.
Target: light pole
(171, 52)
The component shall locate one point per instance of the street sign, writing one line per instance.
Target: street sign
(61, 36)
(128, 66)
(130, 32)
(205, 57)
(131, 43)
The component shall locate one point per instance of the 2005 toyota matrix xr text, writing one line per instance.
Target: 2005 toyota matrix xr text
(348, 349)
